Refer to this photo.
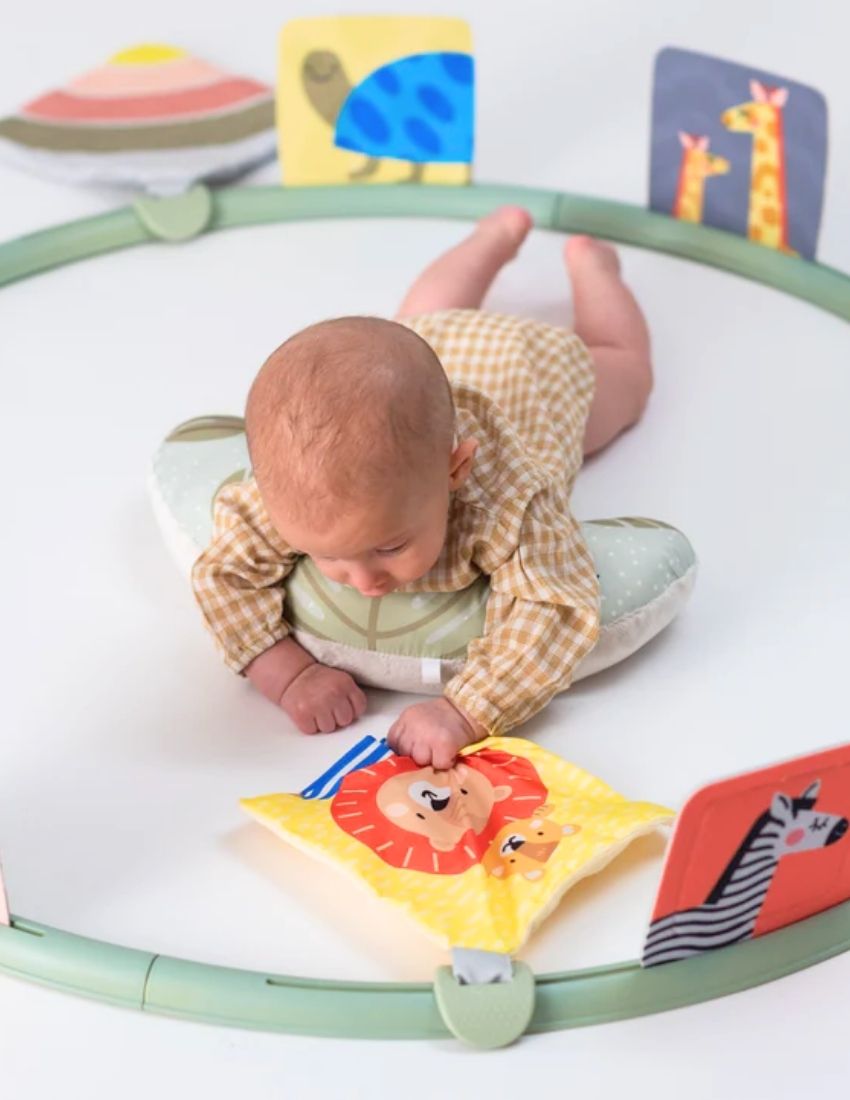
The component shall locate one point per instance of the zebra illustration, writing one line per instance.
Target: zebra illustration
(730, 911)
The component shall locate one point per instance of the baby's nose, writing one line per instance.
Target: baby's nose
(367, 582)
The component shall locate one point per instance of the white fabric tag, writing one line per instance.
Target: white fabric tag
(431, 670)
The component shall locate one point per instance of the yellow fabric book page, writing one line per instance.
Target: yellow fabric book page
(477, 855)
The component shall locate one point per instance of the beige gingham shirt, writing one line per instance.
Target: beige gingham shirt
(523, 389)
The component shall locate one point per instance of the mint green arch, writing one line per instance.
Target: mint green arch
(381, 1010)
(823, 286)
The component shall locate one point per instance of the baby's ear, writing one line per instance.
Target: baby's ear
(460, 463)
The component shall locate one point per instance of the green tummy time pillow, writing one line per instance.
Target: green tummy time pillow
(418, 642)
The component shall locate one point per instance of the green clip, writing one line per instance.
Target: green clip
(488, 1015)
(178, 217)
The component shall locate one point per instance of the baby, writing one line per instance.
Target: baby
(414, 455)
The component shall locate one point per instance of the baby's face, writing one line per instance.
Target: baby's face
(378, 548)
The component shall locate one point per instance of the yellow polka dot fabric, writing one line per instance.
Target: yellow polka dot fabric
(478, 855)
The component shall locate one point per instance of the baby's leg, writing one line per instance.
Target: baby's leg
(461, 277)
(610, 322)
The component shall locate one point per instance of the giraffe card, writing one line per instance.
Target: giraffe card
(754, 853)
(739, 149)
(376, 99)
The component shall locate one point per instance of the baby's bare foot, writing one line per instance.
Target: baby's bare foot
(586, 253)
(510, 225)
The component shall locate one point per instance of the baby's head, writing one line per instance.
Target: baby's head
(351, 430)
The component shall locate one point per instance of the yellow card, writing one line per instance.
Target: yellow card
(375, 99)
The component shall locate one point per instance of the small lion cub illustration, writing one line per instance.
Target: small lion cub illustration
(523, 847)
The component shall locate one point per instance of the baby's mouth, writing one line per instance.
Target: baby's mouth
(375, 592)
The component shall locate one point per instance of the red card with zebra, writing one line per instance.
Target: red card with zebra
(754, 853)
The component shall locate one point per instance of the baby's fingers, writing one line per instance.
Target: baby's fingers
(325, 720)
(422, 752)
(350, 707)
(358, 701)
(343, 712)
(398, 738)
(408, 743)
(392, 736)
(443, 754)
(302, 716)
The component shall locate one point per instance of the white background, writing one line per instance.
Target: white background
(126, 746)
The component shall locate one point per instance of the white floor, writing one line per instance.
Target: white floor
(126, 746)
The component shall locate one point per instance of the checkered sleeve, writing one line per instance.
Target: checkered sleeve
(542, 618)
(238, 579)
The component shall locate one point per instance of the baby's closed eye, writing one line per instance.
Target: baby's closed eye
(388, 550)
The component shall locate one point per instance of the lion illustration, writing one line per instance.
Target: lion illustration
(524, 847)
(442, 806)
(440, 822)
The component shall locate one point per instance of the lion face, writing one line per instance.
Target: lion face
(441, 823)
(440, 805)
(524, 847)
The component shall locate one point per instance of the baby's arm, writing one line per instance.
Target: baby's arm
(542, 619)
(318, 699)
(238, 584)
(238, 579)
(275, 669)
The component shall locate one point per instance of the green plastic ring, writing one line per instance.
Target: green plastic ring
(381, 1010)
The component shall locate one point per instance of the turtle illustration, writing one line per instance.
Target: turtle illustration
(417, 108)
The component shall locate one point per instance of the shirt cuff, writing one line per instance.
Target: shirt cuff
(476, 706)
(240, 657)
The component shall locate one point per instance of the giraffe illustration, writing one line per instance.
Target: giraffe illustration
(767, 219)
(731, 909)
(697, 165)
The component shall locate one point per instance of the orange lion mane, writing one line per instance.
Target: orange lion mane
(356, 810)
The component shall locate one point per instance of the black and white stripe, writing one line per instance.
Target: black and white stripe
(730, 912)
(731, 909)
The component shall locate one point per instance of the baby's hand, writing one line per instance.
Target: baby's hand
(432, 733)
(322, 699)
